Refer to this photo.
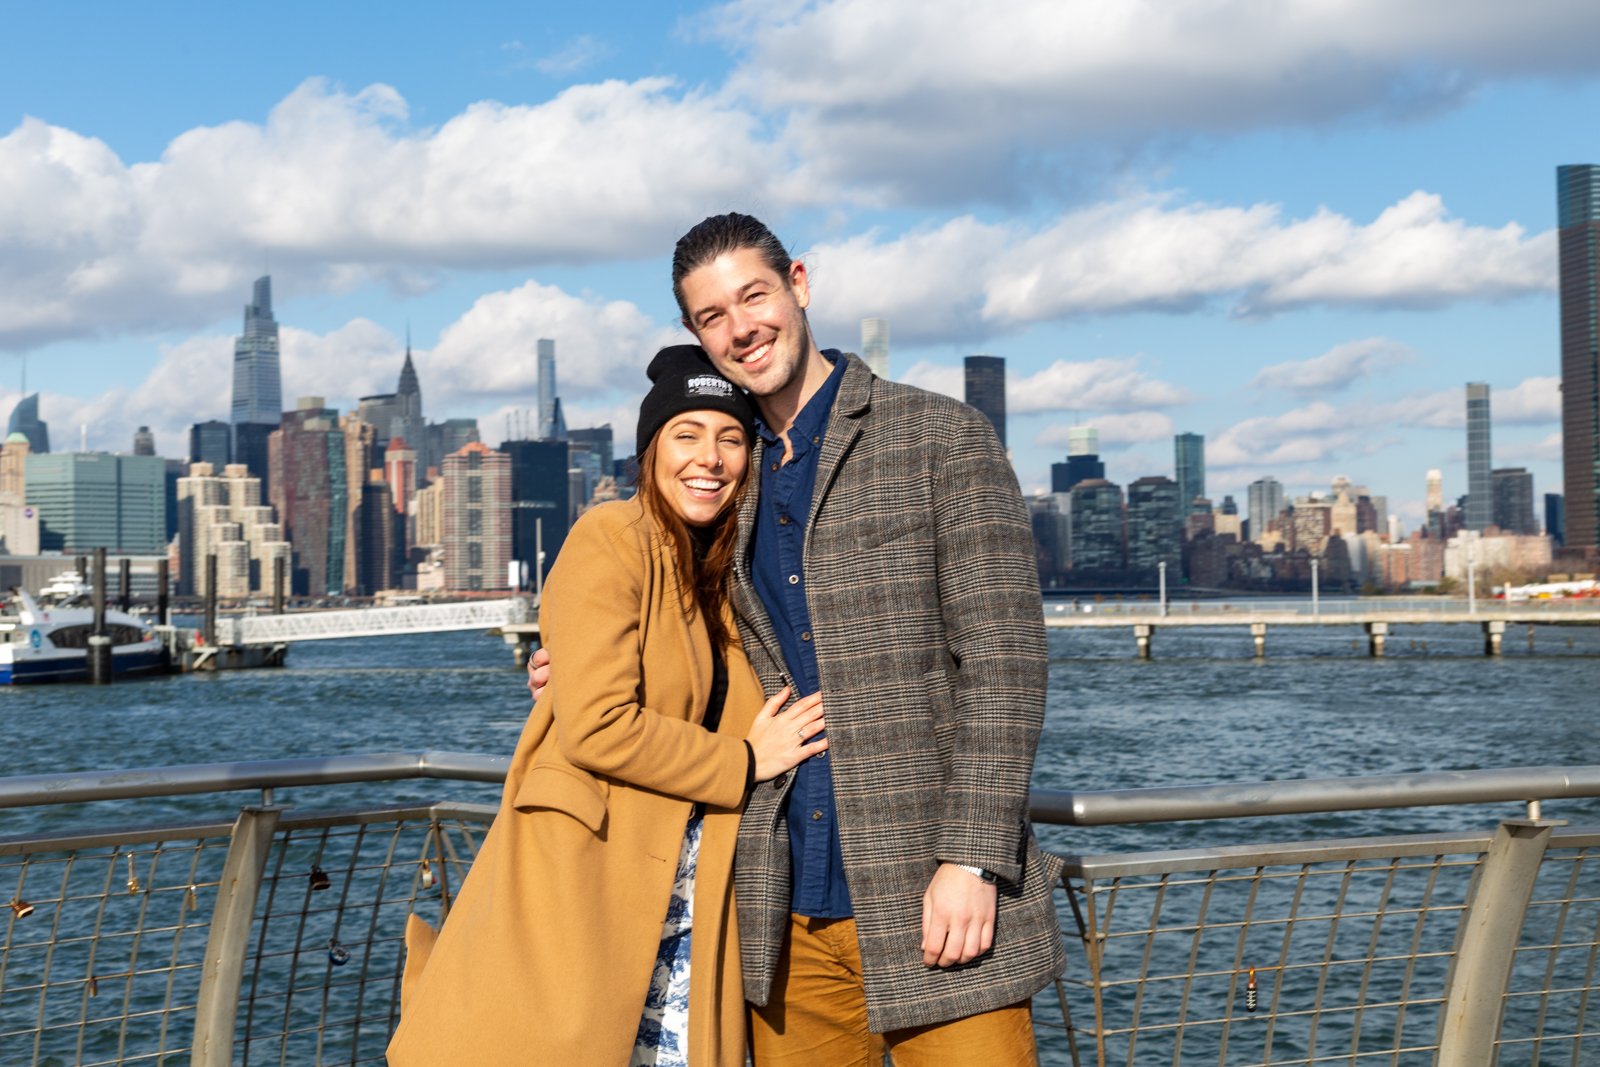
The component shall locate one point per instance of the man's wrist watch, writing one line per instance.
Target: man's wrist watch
(979, 872)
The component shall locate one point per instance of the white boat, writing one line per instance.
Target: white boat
(51, 643)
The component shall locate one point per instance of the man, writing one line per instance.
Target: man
(890, 892)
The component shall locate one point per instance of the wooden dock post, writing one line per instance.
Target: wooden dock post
(1258, 635)
(1141, 637)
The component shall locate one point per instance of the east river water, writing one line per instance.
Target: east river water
(1202, 710)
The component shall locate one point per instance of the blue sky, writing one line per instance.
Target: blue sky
(1296, 228)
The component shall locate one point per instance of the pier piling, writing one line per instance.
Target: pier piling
(163, 591)
(1258, 635)
(210, 626)
(1377, 633)
(1494, 631)
(99, 644)
(1141, 637)
(124, 585)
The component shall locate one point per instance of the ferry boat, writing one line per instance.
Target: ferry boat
(50, 643)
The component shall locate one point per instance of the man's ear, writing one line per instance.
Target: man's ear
(800, 284)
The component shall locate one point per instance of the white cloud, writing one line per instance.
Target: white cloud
(1314, 433)
(1337, 368)
(936, 378)
(341, 190)
(944, 99)
(1531, 402)
(1116, 431)
(1096, 384)
(967, 280)
(575, 55)
(1545, 450)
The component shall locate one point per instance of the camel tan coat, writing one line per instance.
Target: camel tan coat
(547, 953)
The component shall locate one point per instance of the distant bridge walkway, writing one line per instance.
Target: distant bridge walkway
(1374, 615)
(373, 622)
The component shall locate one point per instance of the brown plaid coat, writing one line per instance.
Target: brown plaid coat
(930, 643)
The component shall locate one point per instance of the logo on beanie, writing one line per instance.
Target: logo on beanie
(708, 385)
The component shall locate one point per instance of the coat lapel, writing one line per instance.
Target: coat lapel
(746, 603)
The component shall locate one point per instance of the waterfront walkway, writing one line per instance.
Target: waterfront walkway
(1377, 617)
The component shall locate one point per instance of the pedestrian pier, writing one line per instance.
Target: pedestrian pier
(165, 918)
(1376, 617)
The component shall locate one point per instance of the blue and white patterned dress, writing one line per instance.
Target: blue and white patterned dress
(663, 1039)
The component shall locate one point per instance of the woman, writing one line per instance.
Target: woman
(609, 866)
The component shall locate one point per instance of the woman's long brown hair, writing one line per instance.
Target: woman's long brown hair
(702, 571)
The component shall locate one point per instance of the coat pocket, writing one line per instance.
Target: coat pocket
(553, 788)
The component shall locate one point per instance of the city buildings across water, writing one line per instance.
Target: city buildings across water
(1480, 477)
(1578, 216)
(986, 390)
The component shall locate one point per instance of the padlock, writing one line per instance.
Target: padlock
(426, 877)
(94, 986)
(319, 879)
(338, 955)
(133, 877)
(191, 899)
(20, 908)
(1250, 997)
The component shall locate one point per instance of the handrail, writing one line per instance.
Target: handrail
(1101, 807)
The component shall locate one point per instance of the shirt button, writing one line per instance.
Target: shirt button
(778, 782)
(816, 816)
(774, 468)
(783, 520)
(794, 579)
(805, 635)
(816, 440)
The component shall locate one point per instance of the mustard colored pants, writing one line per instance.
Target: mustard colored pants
(816, 1015)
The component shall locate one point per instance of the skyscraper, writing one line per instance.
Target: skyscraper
(1578, 212)
(1435, 490)
(1155, 526)
(90, 500)
(1555, 517)
(986, 390)
(1480, 475)
(539, 500)
(144, 442)
(1189, 462)
(1083, 460)
(1098, 537)
(1266, 504)
(25, 420)
(257, 389)
(547, 389)
(477, 518)
(210, 442)
(1513, 501)
(311, 490)
(875, 345)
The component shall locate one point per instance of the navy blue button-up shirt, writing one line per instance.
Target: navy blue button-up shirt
(777, 570)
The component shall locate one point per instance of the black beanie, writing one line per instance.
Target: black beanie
(685, 381)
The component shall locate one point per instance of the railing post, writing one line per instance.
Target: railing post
(220, 980)
(1476, 988)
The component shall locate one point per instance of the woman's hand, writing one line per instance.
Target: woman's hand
(781, 741)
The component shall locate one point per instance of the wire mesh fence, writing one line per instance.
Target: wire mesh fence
(1343, 952)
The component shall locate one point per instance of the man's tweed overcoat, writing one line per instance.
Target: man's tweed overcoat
(924, 600)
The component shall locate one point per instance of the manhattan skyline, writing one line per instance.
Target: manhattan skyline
(1303, 256)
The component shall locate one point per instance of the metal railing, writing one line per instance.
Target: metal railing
(373, 622)
(276, 936)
